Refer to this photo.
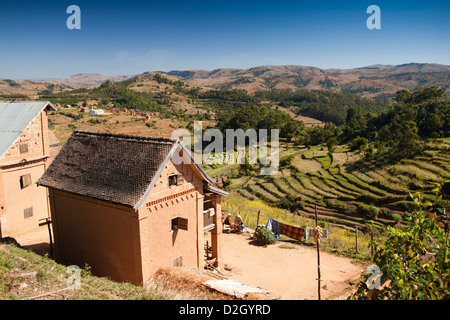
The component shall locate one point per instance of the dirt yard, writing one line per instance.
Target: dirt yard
(289, 271)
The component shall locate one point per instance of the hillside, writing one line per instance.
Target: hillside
(348, 192)
(26, 89)
(370, 81)
(89, 80)
(25, 275)
(33, 89)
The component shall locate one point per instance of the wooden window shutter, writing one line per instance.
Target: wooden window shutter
(178, 262)
(180, 179)
(182, 223)
(25, 181)
(23, 148)
(28, 213)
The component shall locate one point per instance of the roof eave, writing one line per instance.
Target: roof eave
(217, 191)
(177, 144)
(46, 105)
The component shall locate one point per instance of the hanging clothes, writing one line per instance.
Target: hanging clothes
(293, 232)
(307, 233)
(274, 226)
(269, 224)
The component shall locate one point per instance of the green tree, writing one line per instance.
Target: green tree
(414, 259)
(401, 135)
(359, 143)
(331, 143)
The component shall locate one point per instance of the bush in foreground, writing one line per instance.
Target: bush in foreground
(266, 236)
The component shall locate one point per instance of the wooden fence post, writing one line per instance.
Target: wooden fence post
(257, 219)
(48, 221)
(318, 258)
(371, 247)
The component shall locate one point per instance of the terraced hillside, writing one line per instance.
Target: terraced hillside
(347, 193)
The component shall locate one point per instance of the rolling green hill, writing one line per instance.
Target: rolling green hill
(348, 192)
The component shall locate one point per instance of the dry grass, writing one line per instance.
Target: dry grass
(183, 284)
(306, 165)
(187, 284)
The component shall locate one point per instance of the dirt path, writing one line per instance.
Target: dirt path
(290, 273)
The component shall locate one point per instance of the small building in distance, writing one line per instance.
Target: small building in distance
(126, 206)
(24, 156)
(97, 112)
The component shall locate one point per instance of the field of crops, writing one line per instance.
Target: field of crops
(349, 194)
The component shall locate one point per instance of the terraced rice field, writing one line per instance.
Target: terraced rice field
(351, 195)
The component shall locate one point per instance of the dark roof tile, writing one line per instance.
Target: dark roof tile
(110, 167)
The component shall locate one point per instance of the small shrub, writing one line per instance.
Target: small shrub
(94, 121)
(266, 236)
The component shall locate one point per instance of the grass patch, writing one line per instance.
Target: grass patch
(325, 160)
(25, 274)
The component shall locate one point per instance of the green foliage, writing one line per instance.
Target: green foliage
(286, 162)
(331, 143)
(94, 121)
(359, 143)
(401, 136)
(419, 96)
(318, 135)
(326, 106)
(162, 79)
(266, 236)
(11, 83)
(405, 273)
(15, 96)
(260, 117)
(75, 116)
(399, 132)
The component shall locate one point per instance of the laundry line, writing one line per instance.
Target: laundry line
(294, 232)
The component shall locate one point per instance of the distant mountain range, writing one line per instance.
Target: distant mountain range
(370, 81)
(91, 79)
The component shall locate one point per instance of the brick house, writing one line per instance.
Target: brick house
(24, 156)
(122, 205)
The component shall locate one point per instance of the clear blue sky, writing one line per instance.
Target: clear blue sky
(131, 37)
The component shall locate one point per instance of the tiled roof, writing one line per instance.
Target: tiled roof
(110, 167)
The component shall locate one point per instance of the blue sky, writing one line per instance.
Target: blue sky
(131, 37)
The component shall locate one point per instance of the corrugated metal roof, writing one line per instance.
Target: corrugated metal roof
(15, 118)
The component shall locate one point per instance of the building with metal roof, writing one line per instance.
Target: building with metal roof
(15, 118)
(24, 157)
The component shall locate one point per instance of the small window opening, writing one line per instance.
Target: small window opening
(173, 180)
